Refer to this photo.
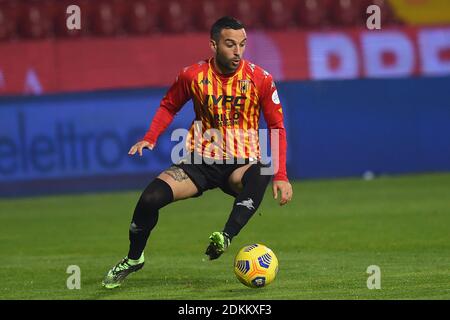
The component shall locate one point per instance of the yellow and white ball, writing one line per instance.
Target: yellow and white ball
(256, 265)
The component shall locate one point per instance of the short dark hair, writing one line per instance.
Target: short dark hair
(224, 23)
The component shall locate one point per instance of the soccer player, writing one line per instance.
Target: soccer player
(228, 94)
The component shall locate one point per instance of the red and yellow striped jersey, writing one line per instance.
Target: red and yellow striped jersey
(227, 111)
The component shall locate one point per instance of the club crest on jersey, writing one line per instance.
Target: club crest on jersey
(244, 85)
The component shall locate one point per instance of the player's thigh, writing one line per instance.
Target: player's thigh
(235, 179)
(181, 185)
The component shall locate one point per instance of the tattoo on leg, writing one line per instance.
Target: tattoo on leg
(177, 173)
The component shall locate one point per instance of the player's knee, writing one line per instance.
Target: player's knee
(254, 176)
(157, 194)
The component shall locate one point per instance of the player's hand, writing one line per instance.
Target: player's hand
(285, 189)
(138, 147)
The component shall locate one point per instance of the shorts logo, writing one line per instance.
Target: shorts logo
(244, 85)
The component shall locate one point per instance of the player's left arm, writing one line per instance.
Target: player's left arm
(273, 114)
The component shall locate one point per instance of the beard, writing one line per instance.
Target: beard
(225, 64)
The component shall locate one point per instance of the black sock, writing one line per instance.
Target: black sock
(157, 194)
(248, 201)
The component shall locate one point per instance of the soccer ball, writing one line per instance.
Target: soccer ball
(255, 265)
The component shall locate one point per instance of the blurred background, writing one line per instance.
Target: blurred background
(357, 102)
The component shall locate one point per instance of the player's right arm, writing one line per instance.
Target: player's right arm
(139, 146)
(177, 95)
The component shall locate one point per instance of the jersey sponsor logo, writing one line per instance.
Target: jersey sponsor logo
(227, 118)
(224, 99)
(275, 98)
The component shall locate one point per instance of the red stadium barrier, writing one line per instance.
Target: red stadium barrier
(43, 66)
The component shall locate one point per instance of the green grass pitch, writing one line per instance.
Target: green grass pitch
(324, 239)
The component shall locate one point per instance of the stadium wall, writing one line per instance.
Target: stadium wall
(79, 142)
(56, 66)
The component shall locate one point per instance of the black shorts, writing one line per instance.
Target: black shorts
(207, 175)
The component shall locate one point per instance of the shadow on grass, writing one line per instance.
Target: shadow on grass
(173, 288)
